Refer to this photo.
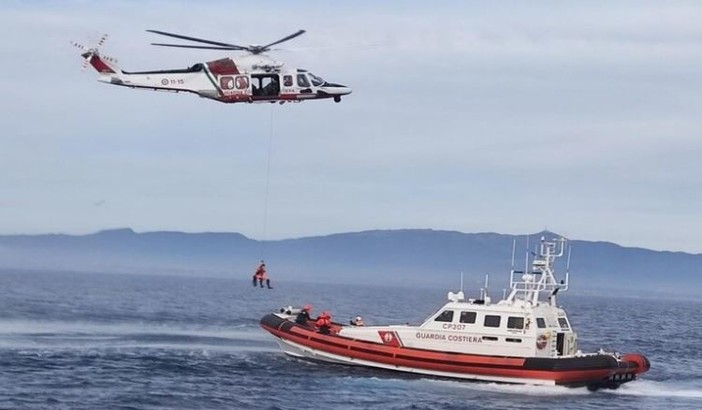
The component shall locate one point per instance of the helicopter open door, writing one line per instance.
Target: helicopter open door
(265, 86)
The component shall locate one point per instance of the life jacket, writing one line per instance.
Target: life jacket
(323, 320)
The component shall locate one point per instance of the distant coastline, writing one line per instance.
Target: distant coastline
(411, 257)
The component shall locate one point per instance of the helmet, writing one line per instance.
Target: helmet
(307, 307)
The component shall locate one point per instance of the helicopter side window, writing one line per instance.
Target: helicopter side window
(242, 82)
(302, 80)
(316, 81)
(287, 80)
(226, 83)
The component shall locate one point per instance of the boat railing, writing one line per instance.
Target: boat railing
(529, 284)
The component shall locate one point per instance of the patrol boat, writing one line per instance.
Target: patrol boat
(525, 338)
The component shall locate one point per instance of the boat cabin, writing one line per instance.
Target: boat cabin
(537, 331)
(527, 323)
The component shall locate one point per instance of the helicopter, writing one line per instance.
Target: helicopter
(253, 78)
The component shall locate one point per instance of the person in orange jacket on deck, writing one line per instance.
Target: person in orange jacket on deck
(324, 323)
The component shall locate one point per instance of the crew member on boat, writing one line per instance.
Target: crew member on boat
(357, 321)
(303, 317)
(323, 323)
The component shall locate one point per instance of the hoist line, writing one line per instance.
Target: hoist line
(268, 182)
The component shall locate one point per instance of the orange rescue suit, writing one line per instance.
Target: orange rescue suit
(324, 319)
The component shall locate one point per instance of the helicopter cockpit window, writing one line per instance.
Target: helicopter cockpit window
(316, 81)
(302, 80)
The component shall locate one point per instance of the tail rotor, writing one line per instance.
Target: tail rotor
(89, 52)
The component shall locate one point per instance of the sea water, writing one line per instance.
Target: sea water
(89, 341)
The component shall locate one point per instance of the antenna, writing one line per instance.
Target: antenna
(485, 288)
(461, 281)
(568, 260)
(526, 258)
(514, 247)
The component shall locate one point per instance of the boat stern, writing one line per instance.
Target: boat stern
(629, 367)
(637, 362)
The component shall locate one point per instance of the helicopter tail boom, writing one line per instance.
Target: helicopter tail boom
(101, 65)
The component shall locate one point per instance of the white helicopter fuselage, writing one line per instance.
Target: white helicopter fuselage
(251, 79)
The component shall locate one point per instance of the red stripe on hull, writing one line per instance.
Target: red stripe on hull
(436, 361)
(307, 338)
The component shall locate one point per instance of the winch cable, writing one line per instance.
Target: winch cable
(268, 182)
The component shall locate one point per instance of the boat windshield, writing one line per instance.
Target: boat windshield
(316, 81)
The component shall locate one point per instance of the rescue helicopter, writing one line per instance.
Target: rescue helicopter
(252, 78)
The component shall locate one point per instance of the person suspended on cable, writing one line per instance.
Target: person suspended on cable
(303, 317)
(323, 323)
(261, 275)
(258, 274)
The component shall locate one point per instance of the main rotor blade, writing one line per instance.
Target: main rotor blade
(200, 47)
(199, 40)
(290, 37)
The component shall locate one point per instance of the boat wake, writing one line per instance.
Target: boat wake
(523, 389)
(649, 388)
(80, 335)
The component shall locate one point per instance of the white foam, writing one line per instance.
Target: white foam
(80, 335)
(524, 389)
(649, 388)
(516, 389)
(19, 328)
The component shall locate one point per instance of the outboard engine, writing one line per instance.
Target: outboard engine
(289, 310)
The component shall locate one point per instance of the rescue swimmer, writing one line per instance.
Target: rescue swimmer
(260, 275)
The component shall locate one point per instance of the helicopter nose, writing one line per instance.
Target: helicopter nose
(343, 90)
(337, 89)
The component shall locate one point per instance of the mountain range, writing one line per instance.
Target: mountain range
(413, 257)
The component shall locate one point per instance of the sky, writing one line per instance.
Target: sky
(582, 118)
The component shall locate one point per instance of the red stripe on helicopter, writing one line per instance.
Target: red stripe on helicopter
(223, 66)
(100, 65)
